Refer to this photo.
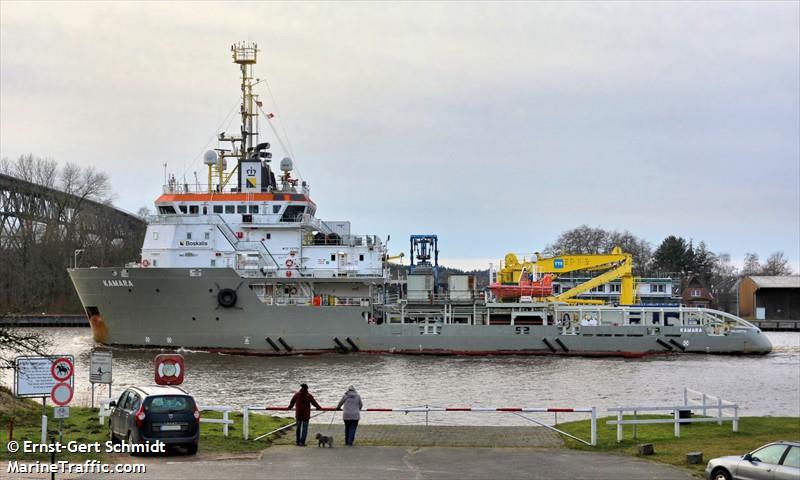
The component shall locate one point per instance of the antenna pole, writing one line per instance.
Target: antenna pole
(245, 56)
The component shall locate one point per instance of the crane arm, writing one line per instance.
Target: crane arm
(622, 271)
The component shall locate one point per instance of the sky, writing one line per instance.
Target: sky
(494, 125)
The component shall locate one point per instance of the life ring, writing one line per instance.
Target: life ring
(289, 263)
(226, 297)
(293, 291)
(288, 273)
(145, 263)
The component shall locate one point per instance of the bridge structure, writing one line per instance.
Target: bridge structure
(44, 231)
(28, 208)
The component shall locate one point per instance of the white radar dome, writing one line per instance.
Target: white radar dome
(286, 164)
(210, 157)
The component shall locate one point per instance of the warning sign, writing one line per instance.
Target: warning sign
(100, 367)
(62, 369)
(33, 376)
(61, 394)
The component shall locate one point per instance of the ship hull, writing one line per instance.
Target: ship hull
(176, 308)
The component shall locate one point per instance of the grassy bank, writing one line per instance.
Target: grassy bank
(711, 439)
(83, 426)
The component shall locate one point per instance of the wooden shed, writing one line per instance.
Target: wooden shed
(778, 296)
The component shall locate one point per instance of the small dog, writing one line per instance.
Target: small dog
(323, 440)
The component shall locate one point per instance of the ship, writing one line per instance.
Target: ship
(242, 264)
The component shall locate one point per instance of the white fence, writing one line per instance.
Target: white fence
(706, 403)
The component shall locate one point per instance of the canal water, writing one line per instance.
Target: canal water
(761, 385)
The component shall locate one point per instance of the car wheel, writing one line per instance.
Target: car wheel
(191, 449)
(720, 474)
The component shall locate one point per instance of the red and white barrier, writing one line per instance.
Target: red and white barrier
(428, 408)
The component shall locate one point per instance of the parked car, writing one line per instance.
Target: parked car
(773, 461)
(147, 414)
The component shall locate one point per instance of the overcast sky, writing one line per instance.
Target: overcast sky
(496, 126)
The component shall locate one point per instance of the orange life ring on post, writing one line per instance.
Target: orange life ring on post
(289, 263)
(145, 263)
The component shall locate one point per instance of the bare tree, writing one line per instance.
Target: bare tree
(16, 342)
(588, 240)
(752, 265)
(777, 264)
(143, 212)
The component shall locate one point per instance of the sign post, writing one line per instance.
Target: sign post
(62, 370)
(36, 377)
(100, 370)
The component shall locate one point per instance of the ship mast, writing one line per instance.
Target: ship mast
(245, 55)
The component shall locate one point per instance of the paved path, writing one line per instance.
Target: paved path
(434, 436)
(412, 463)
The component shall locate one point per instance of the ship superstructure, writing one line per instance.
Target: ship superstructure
(242, 264)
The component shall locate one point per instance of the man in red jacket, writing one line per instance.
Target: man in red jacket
(302, 412)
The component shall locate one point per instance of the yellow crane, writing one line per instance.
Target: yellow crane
(617, 265)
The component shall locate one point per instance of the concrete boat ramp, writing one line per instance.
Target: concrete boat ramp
(406, 452)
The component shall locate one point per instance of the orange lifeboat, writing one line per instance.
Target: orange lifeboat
(526, 288)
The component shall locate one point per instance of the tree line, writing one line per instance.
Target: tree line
(35, 252)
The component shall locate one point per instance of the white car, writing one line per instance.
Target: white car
(773, 461)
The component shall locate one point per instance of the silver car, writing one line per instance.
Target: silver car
(773, 461)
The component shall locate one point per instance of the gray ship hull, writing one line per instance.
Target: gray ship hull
(172, 308)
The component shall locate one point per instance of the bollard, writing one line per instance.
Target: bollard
(619, 426)
(677, 417)
(694, 458)
(594, 427)
(44, 429)
(246, 422)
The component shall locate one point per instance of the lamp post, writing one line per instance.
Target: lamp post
(78, 251)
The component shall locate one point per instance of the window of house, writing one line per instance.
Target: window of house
(194, 209)
(230, 208)
(241, 208)
(217, 208)
(182, 208)
(361, 258)
(658, 288)
(253, 208)
(614, 288)
(696, 292)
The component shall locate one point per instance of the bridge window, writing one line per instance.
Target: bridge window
(182, 208)
(194, 209)
(293, 213)
(276, 208)
(241, 209)
(253, 208)
(166, 209)
(230, 208)
(217, 208)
